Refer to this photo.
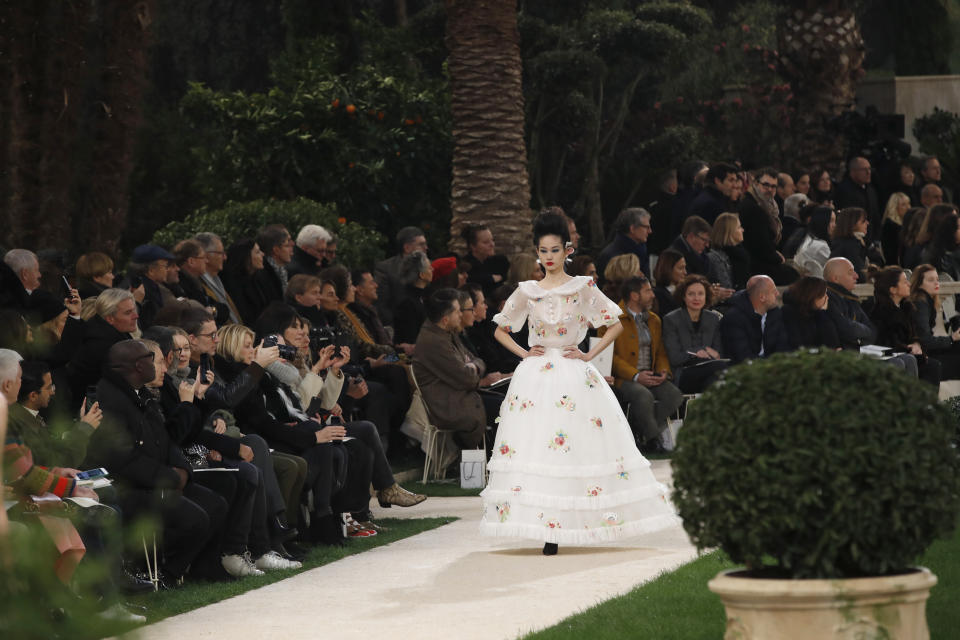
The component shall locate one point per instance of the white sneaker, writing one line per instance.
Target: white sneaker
(272, 561)
(240, 566)
(119, 613)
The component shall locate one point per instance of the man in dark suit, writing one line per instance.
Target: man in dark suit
(857, 190)
(714, 199)
(753, 325)
(150, 473)
(277, 246)
(632, 227)
(693, 241)
(387, 272)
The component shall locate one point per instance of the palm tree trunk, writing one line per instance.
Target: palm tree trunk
(490, 183)
(821, 53)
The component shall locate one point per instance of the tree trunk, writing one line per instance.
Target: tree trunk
(71, 109)
(490, 183)
(821, 54)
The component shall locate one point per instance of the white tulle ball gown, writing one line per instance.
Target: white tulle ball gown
(565, 468)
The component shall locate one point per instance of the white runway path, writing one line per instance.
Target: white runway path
(444, 583)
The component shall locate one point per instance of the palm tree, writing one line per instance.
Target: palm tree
(490, 183)
(821, 53)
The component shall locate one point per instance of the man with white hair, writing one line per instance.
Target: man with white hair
(310, 251)
(792, 225)
(26, 267)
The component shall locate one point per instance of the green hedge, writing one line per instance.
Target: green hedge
(830, 464)
(358, 245)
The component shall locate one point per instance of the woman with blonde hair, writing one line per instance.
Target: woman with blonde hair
(897, 205)
(728, 261)
(617, 271)
(524, 267)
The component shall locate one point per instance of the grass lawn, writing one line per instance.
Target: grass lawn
(679, 606)
(197, 594)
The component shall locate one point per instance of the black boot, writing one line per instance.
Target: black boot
(327, 530)
(550, 548)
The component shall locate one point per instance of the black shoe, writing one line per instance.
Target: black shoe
(290, 551)
(327, 530)
(280, 531)
(550, 548)
(130, 584)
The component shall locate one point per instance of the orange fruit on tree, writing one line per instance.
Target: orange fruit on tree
(351, 109)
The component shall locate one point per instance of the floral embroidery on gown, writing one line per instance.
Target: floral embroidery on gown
(565, 468)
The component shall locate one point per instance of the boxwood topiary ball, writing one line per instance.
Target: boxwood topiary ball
(823, 465)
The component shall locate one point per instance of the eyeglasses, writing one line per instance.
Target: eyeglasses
(210, 335)
(704, 238)
(467, 309)
(223, 253)
(768, 185)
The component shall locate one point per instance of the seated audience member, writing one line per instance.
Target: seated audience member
(524, 267)
(794, 224)
(814, 251)
(448, 375)
(300, 386)
(892, 315)
(854, 327)
(486, 266)
(821, 187)
(942, 252)
(692, 243)
(910, 246)
(304, 294)
(640, 365)
(150, 263)
(327, 466)
(494, 355)
(245, 543)
(447, 273)
(618, 270)
(930, 195)
(25, 268)
(924, 294)
(632, 228)
(387, 272)
(805, 315)
(753, 327)
(115, 320)
(330, 254)
(210, 279)
(671, 270)
(56, 326)
(192, 260)
(56, 445)
(277, 246)
(366, 291)
(849, 239)
(762, 229)
(584, 265)
(719, 184)
(150, 474)
(310, 251)
(416, 274)
(891, 226)
(728, 259)
(93, 273)
(691, 336)
(244, 259)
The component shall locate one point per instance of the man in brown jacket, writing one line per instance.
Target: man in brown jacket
(447, 373)
(641, 367)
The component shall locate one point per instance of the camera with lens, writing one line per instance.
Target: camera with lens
(286, 351)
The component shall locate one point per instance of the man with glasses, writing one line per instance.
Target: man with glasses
(210, 278)
(632, 228)
(693, 242)
(762, 228)
(857, 190)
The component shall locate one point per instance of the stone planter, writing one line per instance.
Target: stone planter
(892, 607)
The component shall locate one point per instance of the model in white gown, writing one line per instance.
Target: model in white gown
(565, 468)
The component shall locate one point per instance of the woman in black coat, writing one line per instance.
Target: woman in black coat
(893, 314)
(244, 259)
(691, 336)
(729, 260)
(924, 288)
(805, 315)
(848, 239)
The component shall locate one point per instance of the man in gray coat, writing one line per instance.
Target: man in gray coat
(448, 374)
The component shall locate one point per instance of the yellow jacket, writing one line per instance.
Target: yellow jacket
(626, 347)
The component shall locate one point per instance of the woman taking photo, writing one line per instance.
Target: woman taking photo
(805, 315)
(893, 314)
(691, 336)
(925, 296)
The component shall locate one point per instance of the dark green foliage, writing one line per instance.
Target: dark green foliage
(358, 245)
(833, 465)
(939, 135)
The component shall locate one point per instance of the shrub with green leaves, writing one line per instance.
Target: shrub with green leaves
(358, 246)
(818, 465)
